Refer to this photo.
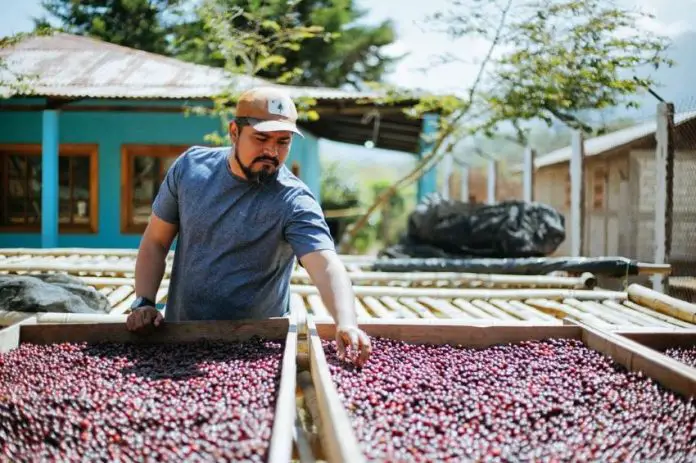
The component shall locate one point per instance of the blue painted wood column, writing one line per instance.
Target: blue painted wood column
(49, 179)
(427, 184)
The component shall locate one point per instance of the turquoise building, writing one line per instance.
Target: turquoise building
(84, 148)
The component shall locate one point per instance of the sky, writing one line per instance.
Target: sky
(672, 17)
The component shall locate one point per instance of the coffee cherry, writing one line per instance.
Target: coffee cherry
(105, 402)
(553, 400)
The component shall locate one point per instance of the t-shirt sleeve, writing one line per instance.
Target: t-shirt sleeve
(306, 229)
(166, 203)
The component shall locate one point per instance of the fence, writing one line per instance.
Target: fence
(629, 193)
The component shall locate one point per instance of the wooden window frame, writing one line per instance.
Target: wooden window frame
(64, 149)
(128, 152)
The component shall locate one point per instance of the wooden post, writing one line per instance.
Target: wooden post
(464, 193)
(664, 176)
(577, 194)
(492, 180)
(528, 175)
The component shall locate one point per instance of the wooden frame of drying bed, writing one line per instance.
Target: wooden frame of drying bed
(340, 441)
(659, 340)
(281, 443)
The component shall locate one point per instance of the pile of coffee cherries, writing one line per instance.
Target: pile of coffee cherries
(683, 354)
(553, 400)
(122, 402)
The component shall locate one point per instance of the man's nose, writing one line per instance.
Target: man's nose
(271, 149)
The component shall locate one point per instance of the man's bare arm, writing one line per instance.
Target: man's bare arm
(152, 253)
(330, 277)
(335, 288)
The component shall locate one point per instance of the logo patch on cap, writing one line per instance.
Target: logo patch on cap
(279, 107)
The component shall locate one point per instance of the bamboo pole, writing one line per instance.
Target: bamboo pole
(11, 317)
(658, 315)
(654, 269)
(586, 280)
(662, 303)
(484, 294)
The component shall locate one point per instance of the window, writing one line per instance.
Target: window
(143, 168)
(20, 174)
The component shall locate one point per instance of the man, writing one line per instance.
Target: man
(241, 217)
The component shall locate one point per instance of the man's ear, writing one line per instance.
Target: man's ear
(234, 132)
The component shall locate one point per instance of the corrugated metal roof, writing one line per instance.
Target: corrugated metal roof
(610, 141)
(73, 66)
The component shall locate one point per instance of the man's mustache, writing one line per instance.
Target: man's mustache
(274, 161)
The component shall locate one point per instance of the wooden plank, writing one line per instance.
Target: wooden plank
(669, 372)
(483, 294)
(168, 332)
(661, 340)
(339, 441)
(10, 336)
(281, 445)
(456, 332)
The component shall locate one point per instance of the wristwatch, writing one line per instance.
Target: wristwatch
(141, 301)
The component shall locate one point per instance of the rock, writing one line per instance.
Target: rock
(50, 293)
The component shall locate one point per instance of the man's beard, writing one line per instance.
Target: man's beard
(263, 175)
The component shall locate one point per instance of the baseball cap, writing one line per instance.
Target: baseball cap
(268, 109)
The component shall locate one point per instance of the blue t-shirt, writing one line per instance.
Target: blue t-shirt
(237, 241)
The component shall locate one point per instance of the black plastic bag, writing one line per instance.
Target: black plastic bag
(509, 229)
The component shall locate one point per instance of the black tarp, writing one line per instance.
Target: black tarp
(606, 266)
(447, 228)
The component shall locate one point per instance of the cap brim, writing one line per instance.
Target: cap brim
(275, 126)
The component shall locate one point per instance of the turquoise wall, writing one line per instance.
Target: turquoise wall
(111, 129)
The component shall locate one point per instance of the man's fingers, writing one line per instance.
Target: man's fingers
(365, 348)
(354, 341)
(340, 346)
(158, 318)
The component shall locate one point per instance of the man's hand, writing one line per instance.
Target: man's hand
(354, 337)
(143, 317)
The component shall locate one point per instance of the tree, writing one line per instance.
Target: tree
(347, 52)
(141, 24)
(248, 52)
(546, 60)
